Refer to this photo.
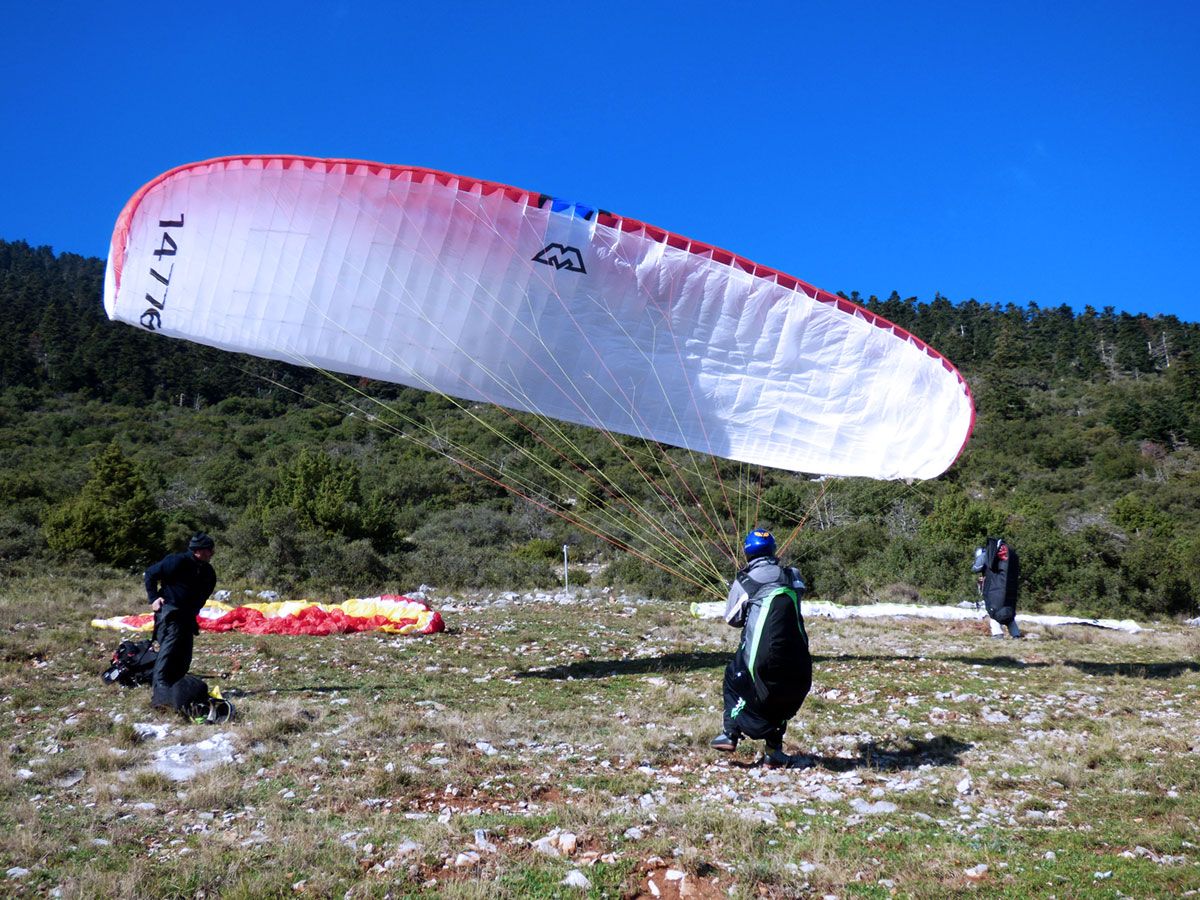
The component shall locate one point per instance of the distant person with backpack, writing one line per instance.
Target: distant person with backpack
(177, 587)
(771, 673)
(999, 572)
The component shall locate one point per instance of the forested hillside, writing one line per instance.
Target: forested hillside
(114, 444)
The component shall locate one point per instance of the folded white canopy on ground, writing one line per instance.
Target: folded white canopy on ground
(824, 609)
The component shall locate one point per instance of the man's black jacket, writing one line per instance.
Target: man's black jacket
(183, 582)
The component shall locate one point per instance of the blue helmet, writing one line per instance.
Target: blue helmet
(759, 542)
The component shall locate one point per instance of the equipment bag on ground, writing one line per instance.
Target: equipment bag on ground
(132, 664)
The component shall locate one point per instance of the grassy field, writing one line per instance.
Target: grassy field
(543, 748)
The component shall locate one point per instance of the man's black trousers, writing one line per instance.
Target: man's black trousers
(175, 632)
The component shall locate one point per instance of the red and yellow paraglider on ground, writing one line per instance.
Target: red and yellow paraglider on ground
(389, 613)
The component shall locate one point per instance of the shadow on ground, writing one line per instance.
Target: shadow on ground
(701, 660)
(1124, 669)
(941, 750)
(689, 662)
(610, 668)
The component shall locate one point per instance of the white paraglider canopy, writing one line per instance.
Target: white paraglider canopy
(490, 293)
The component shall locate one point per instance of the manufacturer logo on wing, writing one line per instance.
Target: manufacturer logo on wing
(561, 257)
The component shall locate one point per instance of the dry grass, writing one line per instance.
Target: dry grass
(538, 737)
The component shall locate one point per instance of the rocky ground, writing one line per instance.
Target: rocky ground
(554, 745)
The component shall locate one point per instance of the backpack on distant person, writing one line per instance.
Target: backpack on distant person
(1001, 580)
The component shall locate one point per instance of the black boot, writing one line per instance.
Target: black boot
(724, 743)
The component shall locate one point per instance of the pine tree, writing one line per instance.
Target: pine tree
(114, 517)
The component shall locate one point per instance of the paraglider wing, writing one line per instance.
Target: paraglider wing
(388, 613)
(491, 293)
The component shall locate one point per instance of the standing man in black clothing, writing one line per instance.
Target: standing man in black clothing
(771, 673)
(177, 587)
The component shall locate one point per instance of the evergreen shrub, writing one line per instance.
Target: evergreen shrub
(114, 518)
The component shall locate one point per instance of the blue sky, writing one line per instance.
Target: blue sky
(1009, 152)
